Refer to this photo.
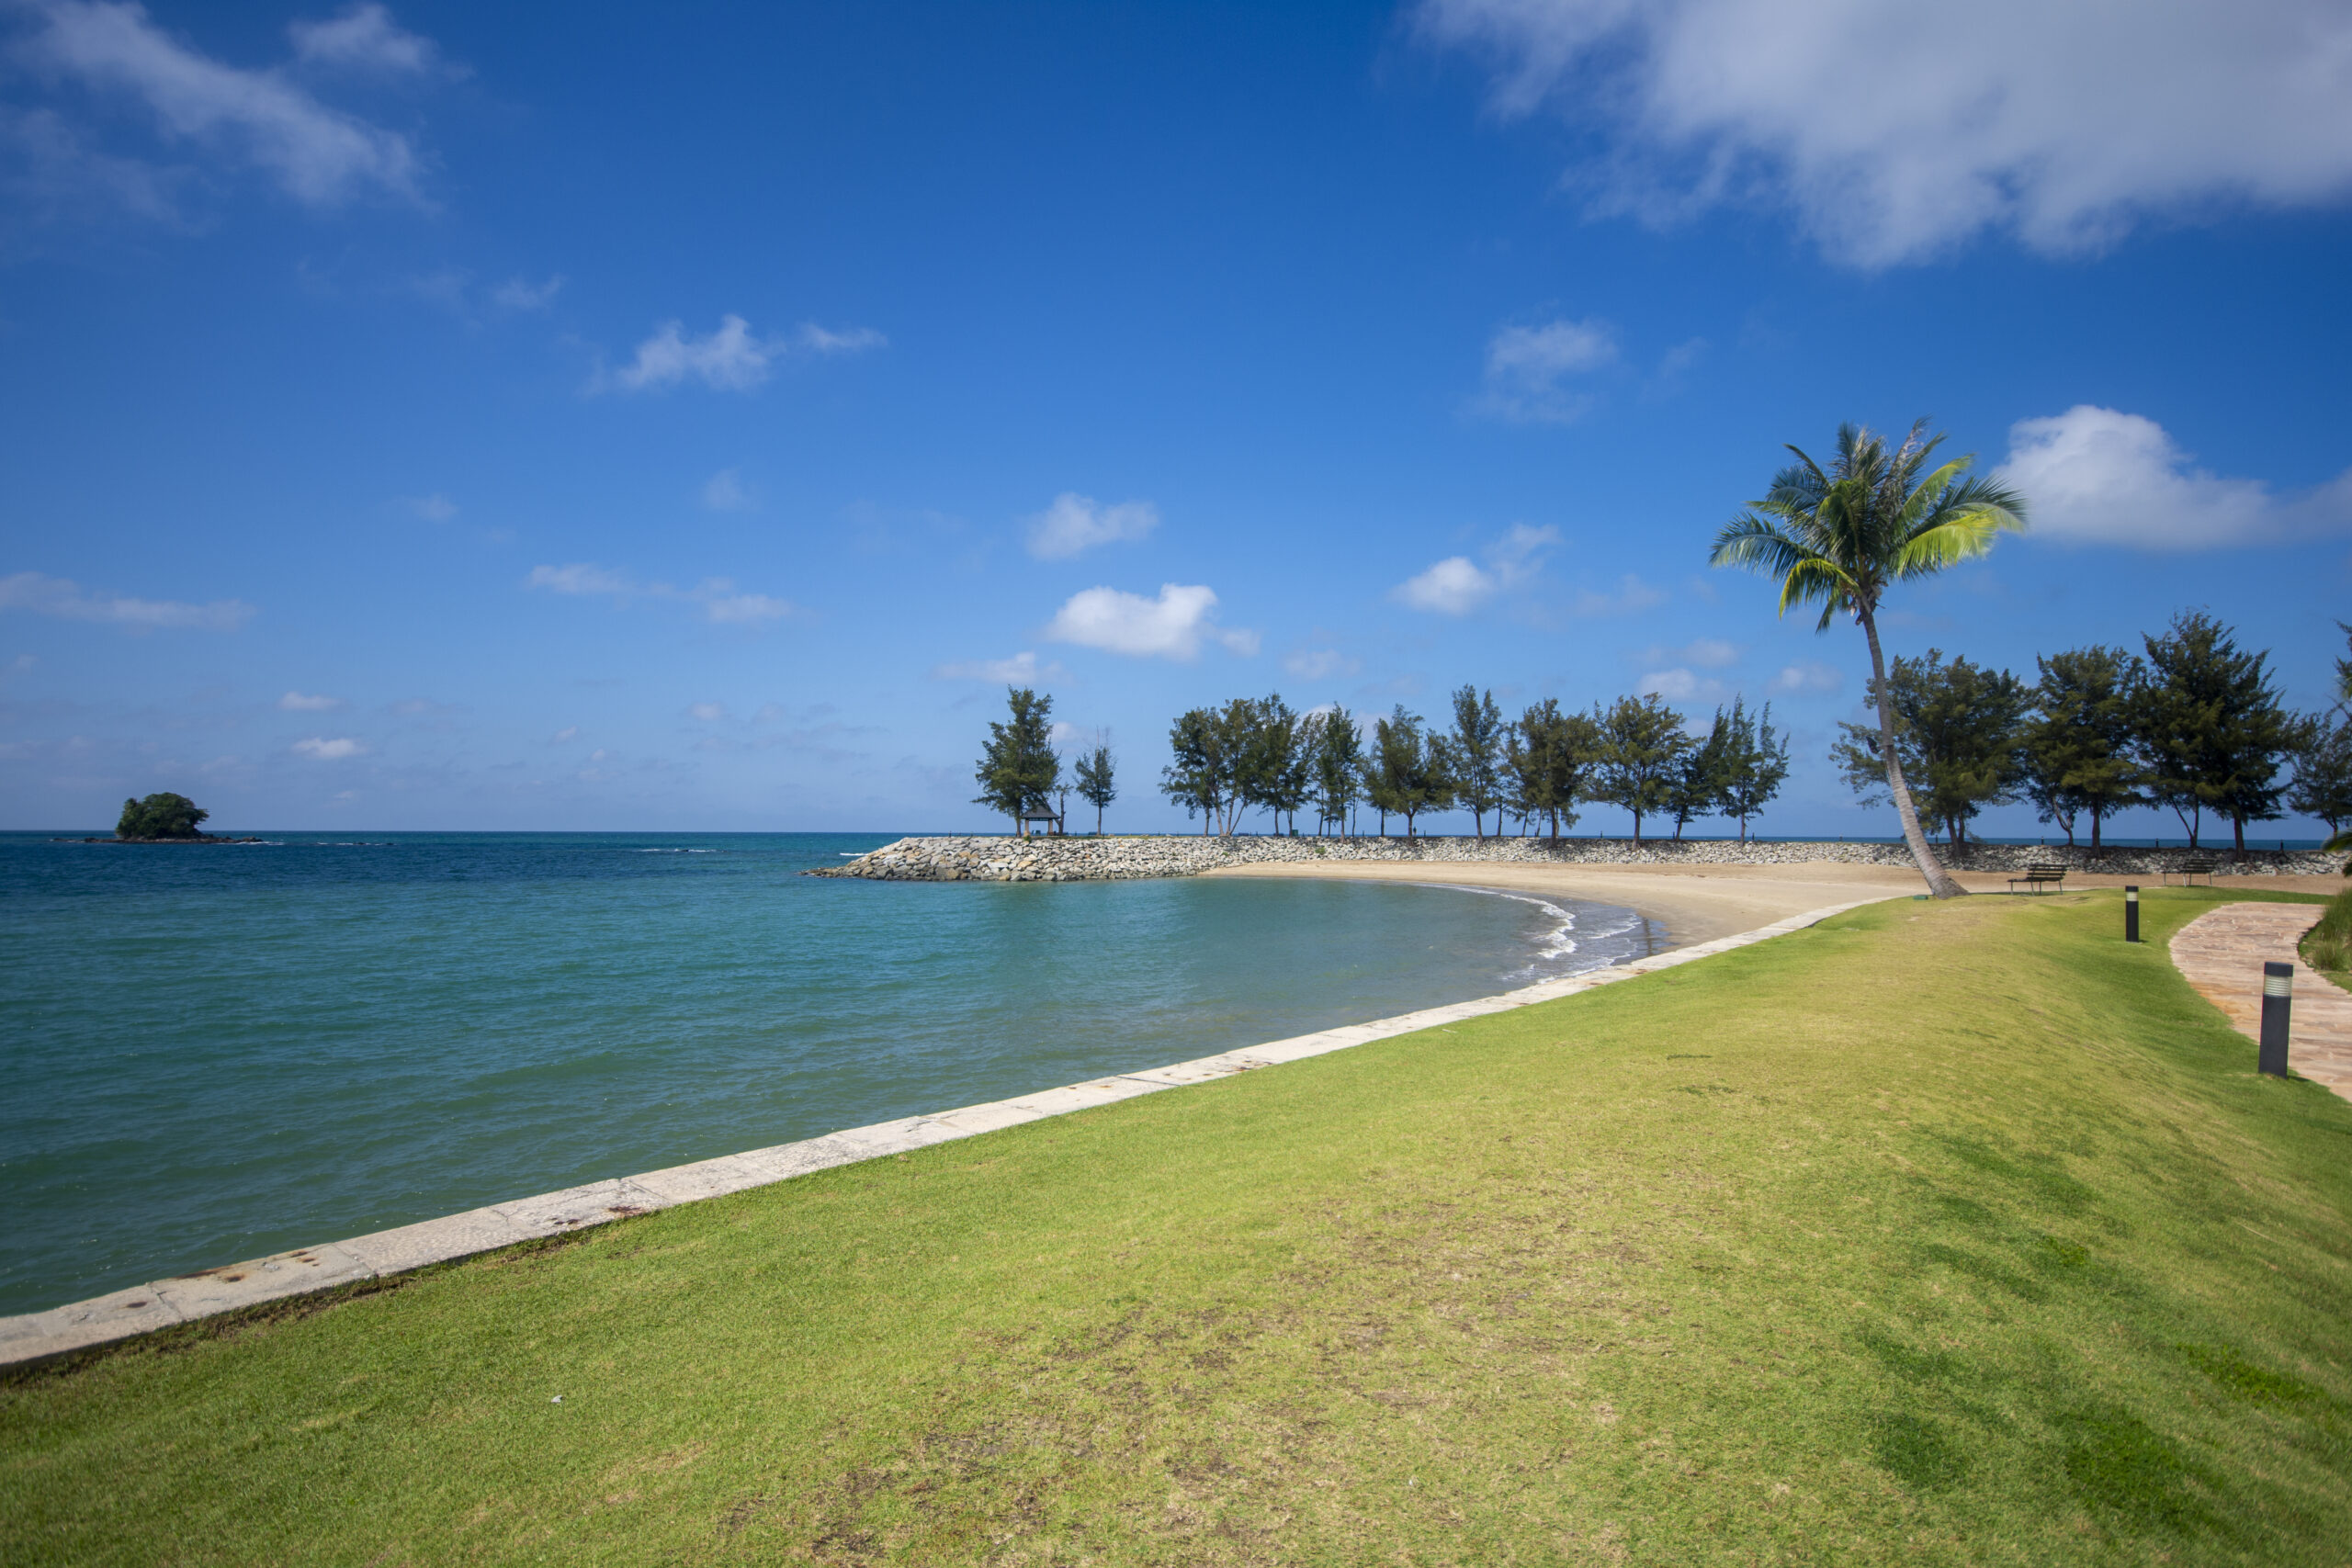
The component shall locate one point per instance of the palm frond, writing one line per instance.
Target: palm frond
(1757, 544)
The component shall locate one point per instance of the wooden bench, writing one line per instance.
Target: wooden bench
(2040, 874)
(2191, 869)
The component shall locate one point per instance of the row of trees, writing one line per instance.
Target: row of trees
(2195, 726)
(1257, 753)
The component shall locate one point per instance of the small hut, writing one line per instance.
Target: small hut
(1051, 823)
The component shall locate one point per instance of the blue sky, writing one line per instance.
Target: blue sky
(456, 417)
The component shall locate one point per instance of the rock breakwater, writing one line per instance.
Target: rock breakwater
(1117, 858)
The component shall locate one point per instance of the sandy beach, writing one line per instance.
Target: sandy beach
(1702, 903)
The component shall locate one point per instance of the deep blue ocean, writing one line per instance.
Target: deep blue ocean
(208, 1053)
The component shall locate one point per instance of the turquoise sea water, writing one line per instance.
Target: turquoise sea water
(213, 1053)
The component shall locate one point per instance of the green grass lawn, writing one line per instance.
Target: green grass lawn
(1938, 1233)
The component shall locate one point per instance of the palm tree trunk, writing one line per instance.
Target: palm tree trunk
(1939, 881)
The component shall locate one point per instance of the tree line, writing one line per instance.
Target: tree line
(2193, 724)
(1258, 754)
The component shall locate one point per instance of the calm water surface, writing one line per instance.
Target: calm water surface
(210, 1053)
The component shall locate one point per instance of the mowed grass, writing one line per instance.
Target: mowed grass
(1938, 1233)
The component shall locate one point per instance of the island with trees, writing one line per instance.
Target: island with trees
(164, 818)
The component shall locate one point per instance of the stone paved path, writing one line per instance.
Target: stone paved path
(2222, 954)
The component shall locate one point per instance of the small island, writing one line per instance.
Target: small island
(164, 818)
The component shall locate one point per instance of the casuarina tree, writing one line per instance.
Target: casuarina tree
(1477, 750)
(1957, 733)
(1337, 779)
(2211, 727)
(1018, 770)
(1409, 774)
(1700, 779)
(1207, 744)
(1843, 534)
(1095, 783)
(1759, 764)
(2079, 748)
(1550, 755)
(1642, 743)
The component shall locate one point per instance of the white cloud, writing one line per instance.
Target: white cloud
(319, 154)
(1455, 586)
(20, 665)
(518, 294)
(1632, 594)
(855, 340)
(2096, 476)
(1075, 523)
(721, 604)
(1807, 675)
(728, 360)
(1706, 652)
(296, 702)
(320, 750)
(569, 732)
(364, 38)
(64, 599)
(581, 577)
(717, 597)
(434, 508)
(1320, 663)
(1171, 627)
(1680, 686)
(709, 713)
(1895, 132)
(1021, 670)
(724, 491)
(1526, 364)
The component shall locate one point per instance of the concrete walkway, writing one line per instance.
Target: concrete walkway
(60, 1331)
(2222, 952)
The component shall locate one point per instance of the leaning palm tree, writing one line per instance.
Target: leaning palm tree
(1842, 535)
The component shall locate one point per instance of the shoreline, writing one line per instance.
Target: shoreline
(69, 1330)
(1698, 904)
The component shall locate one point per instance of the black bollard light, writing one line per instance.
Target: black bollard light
(2278, 1005)
(2131, 911)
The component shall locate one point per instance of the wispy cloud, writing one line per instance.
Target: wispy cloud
(434, 508)
(1457, 585)
(1527, 368)
(1630, 596)
(1807, 675)
(1706, 654)
(729, 359)
(364, 38)
(1022, 669)
(64, 599)
(719, 598)
(298, 702)
(706, 712)
(521, 294)
(1173, 625)
(1680, 686)
(1320, 663)
(725, 491)
(2096, 476)
(318, 748)
(1896, 140)
(1075, 523)
(262, 118)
